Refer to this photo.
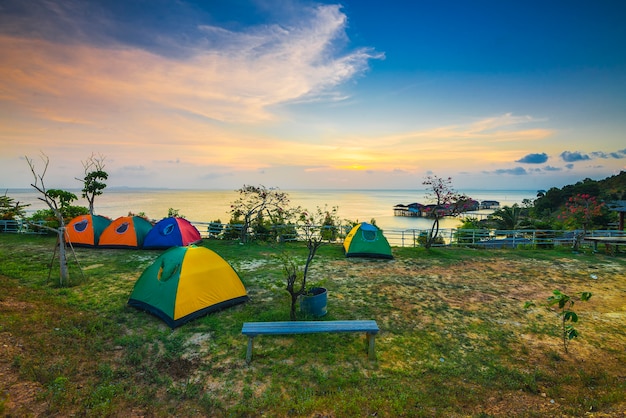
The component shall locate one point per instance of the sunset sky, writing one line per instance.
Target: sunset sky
(357, 94)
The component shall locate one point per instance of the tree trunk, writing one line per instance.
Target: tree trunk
(294, 301)
(64, 273)
(434, 231)
(244, 231)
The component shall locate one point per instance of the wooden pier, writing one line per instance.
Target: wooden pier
(413, 210)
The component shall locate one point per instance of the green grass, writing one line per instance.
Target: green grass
(454, 339)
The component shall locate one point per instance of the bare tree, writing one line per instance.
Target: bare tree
(92, 182)
(51, 200)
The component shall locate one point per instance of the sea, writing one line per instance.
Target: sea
(203, 206)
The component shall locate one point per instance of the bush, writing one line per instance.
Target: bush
(47, 215)
(422, 239)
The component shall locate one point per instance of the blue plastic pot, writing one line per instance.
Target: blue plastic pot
(314, 302)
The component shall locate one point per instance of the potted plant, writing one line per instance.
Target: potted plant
(314, 300)
(311, 225)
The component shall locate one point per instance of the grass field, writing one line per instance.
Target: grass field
(455, 338)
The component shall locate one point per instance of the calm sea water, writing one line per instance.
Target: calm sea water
(210, 205)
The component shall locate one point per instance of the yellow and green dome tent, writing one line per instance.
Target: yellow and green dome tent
(185, 283)
(366, 240)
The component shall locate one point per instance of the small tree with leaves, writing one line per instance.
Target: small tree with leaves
(579, 212)
(174, 213)
(256, 202)
(313, 226)
(508, 217)
(10, 209)
(93, 182)
(568, 316)
(446, 202)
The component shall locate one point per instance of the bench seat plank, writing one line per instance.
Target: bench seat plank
(307, 327)
(252, 329)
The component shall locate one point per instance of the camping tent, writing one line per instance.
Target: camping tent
(366, 240)
(85, 230)
(172, 232)
(184, 283)
(125, 232)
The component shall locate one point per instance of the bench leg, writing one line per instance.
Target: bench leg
(371, 352)
(249, 352)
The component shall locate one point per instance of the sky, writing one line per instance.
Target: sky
(357, 94)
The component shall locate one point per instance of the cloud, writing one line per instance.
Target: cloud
(570, 157)
(616, 154)
(534, 158)
(517, 171)
(134, 168)
(550, 168)
(225, 75)
(569, 166)
(213, 176)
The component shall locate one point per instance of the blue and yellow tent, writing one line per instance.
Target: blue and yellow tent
(185, 283)
(366, 240)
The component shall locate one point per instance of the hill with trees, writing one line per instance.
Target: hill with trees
(561, 208)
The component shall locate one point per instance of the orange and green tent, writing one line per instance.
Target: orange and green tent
(85, 230)
(125, 232)
(185, 283)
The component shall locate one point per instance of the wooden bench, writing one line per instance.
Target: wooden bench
(607, 241)
(252, 329)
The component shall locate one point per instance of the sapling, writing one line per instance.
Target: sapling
(313, 226)
(568, 316)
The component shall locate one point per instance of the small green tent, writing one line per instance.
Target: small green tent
(184, 283)
(366, 240)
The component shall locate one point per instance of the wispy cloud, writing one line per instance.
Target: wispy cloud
(252, 70)
(616, 154)
(517, 171)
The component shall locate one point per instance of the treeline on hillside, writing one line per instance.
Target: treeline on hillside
(555, 208)
(610, 189)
